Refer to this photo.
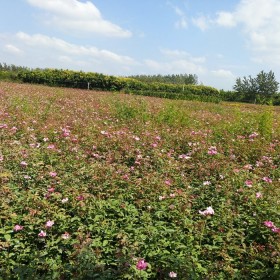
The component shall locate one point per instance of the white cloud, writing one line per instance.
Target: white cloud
(43, 51)
(260, 23)
(222, 73)
(177, 54)
(202, 22)
(177, 62)
(77, 16)
(226, 19)
(61, 46)
(182, 22)
(12, 49)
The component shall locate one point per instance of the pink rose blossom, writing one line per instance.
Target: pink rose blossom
(269, 224)
(253, 135)
(52, 189)
(18, 228)
(258, 195)
(65, 235)
(267, 179)
(141, 264)
(53, 174)
(42, 234)
(23, 164)
(212, 150)
(276, 229)
(49, 224)
(248, 183)
(168, 182)
(172, 274)
(3, 126)
(51, 147)
(80, 197)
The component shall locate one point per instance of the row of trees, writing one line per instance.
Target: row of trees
(178, 79)
(259, 89)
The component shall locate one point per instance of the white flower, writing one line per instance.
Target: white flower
(209, 211)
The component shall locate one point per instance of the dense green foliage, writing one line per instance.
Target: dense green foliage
(181, 79)
(114, 186)
(10, 72)
(260, 89)
(75, 79)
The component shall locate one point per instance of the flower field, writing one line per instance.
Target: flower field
(101, 185)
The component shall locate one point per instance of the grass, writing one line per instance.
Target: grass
(99, 185)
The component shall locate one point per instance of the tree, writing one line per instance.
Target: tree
(264, 86)
(267, 84)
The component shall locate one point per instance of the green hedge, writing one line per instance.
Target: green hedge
(74, 79)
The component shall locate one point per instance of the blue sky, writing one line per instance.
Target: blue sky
(214, 39)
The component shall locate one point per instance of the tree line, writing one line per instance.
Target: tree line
(262, 89)
(179, 79)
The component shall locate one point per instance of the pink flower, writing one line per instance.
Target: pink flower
(267, 179)
(51, 147)
(1, 158)
(168, 182)
(49, 224)
(172, 274)
(65, 235)
(53, 174)
(161, 197)
(18, 228)
(248, 167)
(258, 195)
(23, 164)
(276, 229)
(248, 183)
(80, 197)
(66, 132)
(253, 135)
(209, 211)
(3, 126)
(269, 224)
(212, 150)
(42, 234)
(52, 189)
(141, 265)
